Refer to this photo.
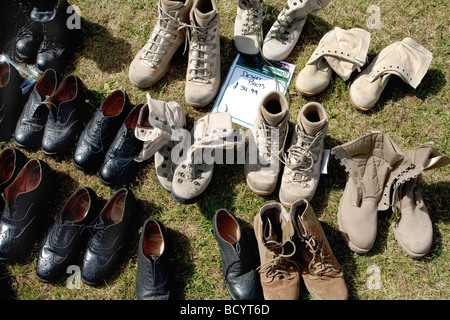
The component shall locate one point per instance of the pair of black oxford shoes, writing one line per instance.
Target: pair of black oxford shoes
(54, 114)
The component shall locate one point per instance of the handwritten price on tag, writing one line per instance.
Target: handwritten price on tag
(250, 84)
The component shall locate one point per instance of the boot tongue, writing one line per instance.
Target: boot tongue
(203, 19)
(268, 233)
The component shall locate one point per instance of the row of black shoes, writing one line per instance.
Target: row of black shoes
(43, 35)
(101, 233)
(85, 223)
(53, 118)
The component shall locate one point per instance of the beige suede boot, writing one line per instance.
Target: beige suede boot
(303, 159)
(406, 59)
(203, 72)
(248, 31)
(279, 273)
(339, 50)
(285, 32)
(369, 161)
(194, 173)
(266, 143)
(156, 123)
(321, 271)
(152, 61)
(412, 227)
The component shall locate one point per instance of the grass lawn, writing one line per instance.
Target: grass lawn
(115, 30)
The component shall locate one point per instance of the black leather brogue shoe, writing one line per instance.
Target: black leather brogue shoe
(68, 236)
(22, 215)
(109, 242)
(31, 124)
(239, 277)
(152, 281)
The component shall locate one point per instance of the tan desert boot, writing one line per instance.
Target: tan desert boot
(339, 50)
(279, 273)
(285, 32)
(194, 173)
(203, 72)
(248, 31)
(321, 271)
(266, 143)
(369, 161)
(152, 61)
(406, 59)
(303, 159)
(412, 227)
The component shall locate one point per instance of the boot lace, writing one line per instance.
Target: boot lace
(252, 25)
(236, 265)
(201, 44)
(162, 37)
(300, 158)
(276, 267)
(284, 22)
(267, 145)
(97, 229)
(320, 263)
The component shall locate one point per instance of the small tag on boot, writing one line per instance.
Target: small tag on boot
(325, 157)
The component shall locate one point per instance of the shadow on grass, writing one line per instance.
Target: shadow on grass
(181, 267)
(111, 54)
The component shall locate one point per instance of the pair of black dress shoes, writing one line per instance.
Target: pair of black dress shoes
(103, 232)
(152, 281)
(25, 187)
(54, 114)
(108, 144)
(43, 37)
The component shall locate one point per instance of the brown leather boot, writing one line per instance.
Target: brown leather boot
(321, 271)
(279, 273)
